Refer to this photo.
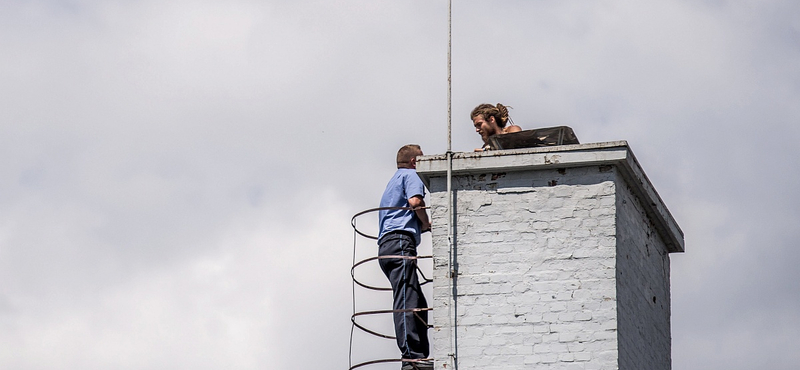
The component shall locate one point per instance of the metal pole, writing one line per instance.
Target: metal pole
(450, 214)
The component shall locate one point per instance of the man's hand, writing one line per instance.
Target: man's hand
(426, 227)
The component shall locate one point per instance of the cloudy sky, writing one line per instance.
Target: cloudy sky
(177, 178)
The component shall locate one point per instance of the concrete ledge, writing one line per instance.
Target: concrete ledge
(615, 153)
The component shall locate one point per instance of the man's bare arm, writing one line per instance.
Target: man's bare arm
(417, 203)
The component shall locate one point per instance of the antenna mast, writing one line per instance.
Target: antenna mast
(451, 269)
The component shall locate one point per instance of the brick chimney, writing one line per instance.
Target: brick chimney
(562, 260)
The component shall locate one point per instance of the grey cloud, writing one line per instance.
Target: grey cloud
(178, 178)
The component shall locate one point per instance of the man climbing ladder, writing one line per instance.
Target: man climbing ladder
(400, 231)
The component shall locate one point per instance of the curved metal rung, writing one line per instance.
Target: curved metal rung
(389, 360)
(364, 313)
(353, 220)
(425, 280)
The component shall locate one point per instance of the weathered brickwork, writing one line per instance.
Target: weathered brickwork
(537, 270)
(558, 268)
(643, 298)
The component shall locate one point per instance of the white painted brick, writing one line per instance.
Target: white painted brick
(538, 284)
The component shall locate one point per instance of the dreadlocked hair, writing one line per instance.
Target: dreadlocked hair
(499, 112)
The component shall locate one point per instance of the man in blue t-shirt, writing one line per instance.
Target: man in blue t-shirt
(400, 231)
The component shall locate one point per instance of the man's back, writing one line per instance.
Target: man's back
(404, 184)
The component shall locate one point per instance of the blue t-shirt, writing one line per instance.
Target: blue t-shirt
(404, 184)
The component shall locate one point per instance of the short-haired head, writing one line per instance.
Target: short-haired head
(499, 112)
(407, 156)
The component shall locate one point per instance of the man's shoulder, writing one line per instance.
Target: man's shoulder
(410, 174)
(407, 172)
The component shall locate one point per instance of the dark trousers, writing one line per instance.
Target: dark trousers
(411, 332)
